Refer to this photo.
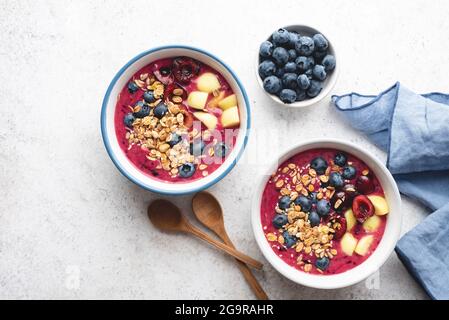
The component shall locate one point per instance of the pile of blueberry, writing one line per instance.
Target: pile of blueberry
(293, 67)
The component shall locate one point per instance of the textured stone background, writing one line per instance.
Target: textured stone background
(72, 227)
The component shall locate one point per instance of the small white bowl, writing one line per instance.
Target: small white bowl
(328, 84)
(108, 128)
(377, 258)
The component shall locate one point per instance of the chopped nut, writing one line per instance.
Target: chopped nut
(271, 237)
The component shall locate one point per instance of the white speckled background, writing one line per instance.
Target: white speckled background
(66, 213)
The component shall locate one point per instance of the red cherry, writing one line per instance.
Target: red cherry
(341, 230)
(362, 208)
(184, 69)
(364, 185)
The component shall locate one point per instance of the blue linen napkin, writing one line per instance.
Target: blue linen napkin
(414, 131)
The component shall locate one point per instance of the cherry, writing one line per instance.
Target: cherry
(340, 229)
(184, 69)
(364, 185)
(362, 208)
(339, 201)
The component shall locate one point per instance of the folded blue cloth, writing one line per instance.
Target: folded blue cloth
(414, 131)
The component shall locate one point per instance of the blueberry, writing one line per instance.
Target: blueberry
(186, 170)
(319, 165)
(304, 202)
(175, 139)
(312, 197)
(289, 240)
(304, 63)
(336, 180)
(329, 62)
(280, 220)
(340, 159)
(349, 172)
(301, 95)
(293, 37)
(290, 67)
(197, 147)
(272, 84)
(322, 263)
(292, 55)
(280, 56)
(148, 96)
(160, 110)
(287, 96)
(266, 49)
(221, 150)
(303, 82)
(267, 68)
(319, 72)
(320, 42)
(280, 37)
(289, 81)
(314, 89)
(132, 87)
(165, 71)
(129, 120)
(284, 202)
(143, 111)
(279, 72)
(314, 219)
(323, 207)
(319, 55)
(305, 46)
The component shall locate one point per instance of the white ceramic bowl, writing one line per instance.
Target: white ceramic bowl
(328, 84)
(377, 258)
(108, 131)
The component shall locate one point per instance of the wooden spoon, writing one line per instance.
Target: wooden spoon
(208, 211)
(166, 216)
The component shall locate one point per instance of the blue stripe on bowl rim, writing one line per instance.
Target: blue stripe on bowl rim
(105, 137)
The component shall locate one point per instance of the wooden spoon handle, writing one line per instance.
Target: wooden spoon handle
(247, 274)
(231, 251)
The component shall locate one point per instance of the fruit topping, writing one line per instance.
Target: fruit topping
(128, 120)
(174, 139)
(314, 218)
(184, 69)
(350, 192)
(272, 84)
(293, 38)
(304, 63)
(284, 202)
(132, 87)
(228, 102)
(323, 207)
(349, 172)
(364, 185)
(314, 89)
(320, 42)
(197, 99)
(165, 71)
(289, 239)
(230, 117)
(319, 165)
(281, 36)
(292, 55)
(362, 208)
(319, 72)
(303, 82)
(290, 67)
(289, 81)
(313, 197)
(141, 110)
(160, 110)
(339, 202)
(266, 49)
(267, 68)
(340, 159)
(348, 244)
(280, 56)
(305, 46)
(322, 263)
(372, 223)
(363, 245)
(221, 150)
(209, 120)
(335, 180)
(148, 96)
(340, 227)
(197, 147)
(208, 82)
(287, 95)
(187, 170)
(380, 205)
(329, 62)
(350, 220)
(280, 220)
(304, 202)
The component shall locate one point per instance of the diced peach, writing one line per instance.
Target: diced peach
(380, 205)
(209, 120)
(228, 102)
(230, 117)
(364, 245)
(348, 244)
(197, 99)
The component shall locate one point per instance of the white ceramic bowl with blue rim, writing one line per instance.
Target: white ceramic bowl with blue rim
(374, 261)
(110, 140)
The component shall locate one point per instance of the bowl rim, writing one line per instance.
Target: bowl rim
(323, 94)
(298, 276)
(105, 137)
